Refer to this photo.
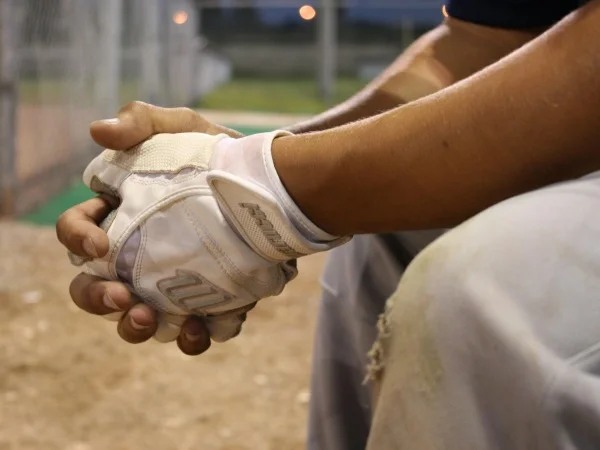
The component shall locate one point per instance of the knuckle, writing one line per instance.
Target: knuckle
(191, 120)
(60, 225)
(63, 218)
(184, 110)
(93, 292)
(75, 290)
(203, 347)
(72, 289)
(73, 235)
(125, 335)
(64, 229)
(193, 349)
(133, 107)
(87, 294)
(132, 336)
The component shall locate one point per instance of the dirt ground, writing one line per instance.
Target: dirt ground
(68, 382)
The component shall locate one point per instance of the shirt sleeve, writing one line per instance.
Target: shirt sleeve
(511, 13)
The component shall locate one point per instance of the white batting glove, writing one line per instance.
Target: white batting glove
(204, 227)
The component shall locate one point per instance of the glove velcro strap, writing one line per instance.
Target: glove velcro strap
(261, 221)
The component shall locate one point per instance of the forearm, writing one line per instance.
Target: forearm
(529, 120)
(395, 86)
(368, 102)
(450, 52)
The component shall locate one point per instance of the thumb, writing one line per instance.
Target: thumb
(138, 121)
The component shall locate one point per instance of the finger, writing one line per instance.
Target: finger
(223, 327)
(137, 121)
(138, 324)
(77, 228)
(194, 338)
(169, 327)
(97, 296)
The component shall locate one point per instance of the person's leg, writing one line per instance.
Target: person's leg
(492, 338)
(358, 279)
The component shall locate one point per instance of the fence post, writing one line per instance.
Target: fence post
(408, 32)
(8, 105)
(108, 71)
(327, 42)
(150, 55)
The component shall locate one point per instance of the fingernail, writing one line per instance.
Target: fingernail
(109, 302)
(114, 121)
(192, 337)
(89, 247)
(137, 326)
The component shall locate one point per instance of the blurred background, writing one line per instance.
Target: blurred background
(66, 380)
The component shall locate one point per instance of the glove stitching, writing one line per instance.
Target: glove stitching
(139, 260)
(218, 255)
(140, 291)
(177, 179)
(141, 217)
(213, 247)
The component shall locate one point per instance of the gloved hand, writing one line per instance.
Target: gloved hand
(203, 226)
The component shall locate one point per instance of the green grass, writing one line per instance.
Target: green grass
(49, 92)
(295, 96)
(48, 213)
(283, 95)
(279, 95)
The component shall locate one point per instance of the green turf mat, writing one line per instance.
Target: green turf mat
(250, 130)
(48, 213)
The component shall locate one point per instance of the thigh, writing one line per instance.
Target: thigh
(491, 340)
(358, 279)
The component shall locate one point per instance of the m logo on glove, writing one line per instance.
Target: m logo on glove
(191, 291)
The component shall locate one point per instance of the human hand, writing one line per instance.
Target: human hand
(78, 228)
(202, 226)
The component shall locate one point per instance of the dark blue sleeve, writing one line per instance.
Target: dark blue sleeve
(512, 13)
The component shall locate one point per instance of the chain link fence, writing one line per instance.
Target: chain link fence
(64, 63)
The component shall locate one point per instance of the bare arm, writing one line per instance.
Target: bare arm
(452, 51)
(529, 120)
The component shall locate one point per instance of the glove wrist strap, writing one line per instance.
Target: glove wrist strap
(252, 196)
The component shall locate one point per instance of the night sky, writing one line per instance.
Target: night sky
(377, 11)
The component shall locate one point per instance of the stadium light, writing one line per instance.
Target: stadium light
(180, 17)
(307, 12)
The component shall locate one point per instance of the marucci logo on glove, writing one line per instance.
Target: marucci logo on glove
(191, 291)
(269, 231)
